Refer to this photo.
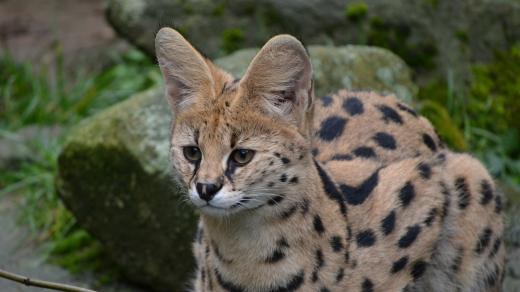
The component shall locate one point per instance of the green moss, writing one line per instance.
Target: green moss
(396, 38)
(432, 3)
(356, 11)
(462, 36)
(232, 39)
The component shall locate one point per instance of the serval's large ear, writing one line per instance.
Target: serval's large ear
(186, 74)
(281, 75)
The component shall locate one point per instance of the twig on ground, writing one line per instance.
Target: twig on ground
(42, 284)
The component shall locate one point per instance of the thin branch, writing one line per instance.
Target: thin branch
(42, 284)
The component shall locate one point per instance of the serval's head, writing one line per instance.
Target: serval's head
(238, 144)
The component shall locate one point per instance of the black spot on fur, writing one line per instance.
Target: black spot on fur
(399, 265)
(389, 114)
(294, 180)
(277, 256)
(275, 200)
(293, 284)
(353, 106)
(283, 177)
(320, 262)
(406, 194)
(339, 275)
(318, 225)
(342, 157)
(431, 217)
(203, 275)
(457, 261)
(366, 238)
(492, 277)
(305, 206)
(365, 152)
(349, 233)
(358, 195)
(285, 160)
(487, 192)
(226, 285)
(410, 236)
(367, 285)
(418, 269)
(324, 289)
(330, 189)
(270, 184)
(407, 109)
(282, 242)
(336, 244)
(219, 255)
(200, 235)
(332, 127)
(388, 223)
(447, 200)
(483, 240)
(326, 100)
(424, 170)
(346, 256)
(463, 192)
(496, 247)
(429, 142)
(315, 152)
(498, 204)
(440, 158)
(289, 212)
(385, 140)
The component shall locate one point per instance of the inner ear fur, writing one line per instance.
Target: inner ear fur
(281, 75)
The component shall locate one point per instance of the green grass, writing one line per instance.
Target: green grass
(39, 96)
(483, 119)
(43, 96)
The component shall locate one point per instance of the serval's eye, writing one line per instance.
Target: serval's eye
(192, 153)
(242, 156)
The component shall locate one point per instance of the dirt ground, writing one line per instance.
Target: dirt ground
(33, 30)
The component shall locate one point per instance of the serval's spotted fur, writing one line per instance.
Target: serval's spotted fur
(348, 192)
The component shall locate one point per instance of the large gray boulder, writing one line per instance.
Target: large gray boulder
(114, 171)
(432, 36)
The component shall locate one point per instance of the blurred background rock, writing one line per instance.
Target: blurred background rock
(83, 122)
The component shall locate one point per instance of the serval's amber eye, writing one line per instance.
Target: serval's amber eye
(192, 153)
(242, 156)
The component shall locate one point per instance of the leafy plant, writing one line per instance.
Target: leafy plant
(356, 11)
(484, 120)
(41, 96)
(232, 39)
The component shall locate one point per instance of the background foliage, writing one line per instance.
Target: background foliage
(482, 117)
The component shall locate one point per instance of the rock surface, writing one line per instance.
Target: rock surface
(114, 172)
(434, 36)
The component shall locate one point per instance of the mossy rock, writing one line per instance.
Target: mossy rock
(114, 172)
(432, 36)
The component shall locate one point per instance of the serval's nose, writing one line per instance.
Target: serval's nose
(207, 191)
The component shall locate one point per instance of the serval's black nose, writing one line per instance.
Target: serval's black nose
(207, 191)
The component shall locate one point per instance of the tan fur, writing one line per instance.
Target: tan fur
(291, 221)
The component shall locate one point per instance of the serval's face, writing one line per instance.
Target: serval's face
(238, 144)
